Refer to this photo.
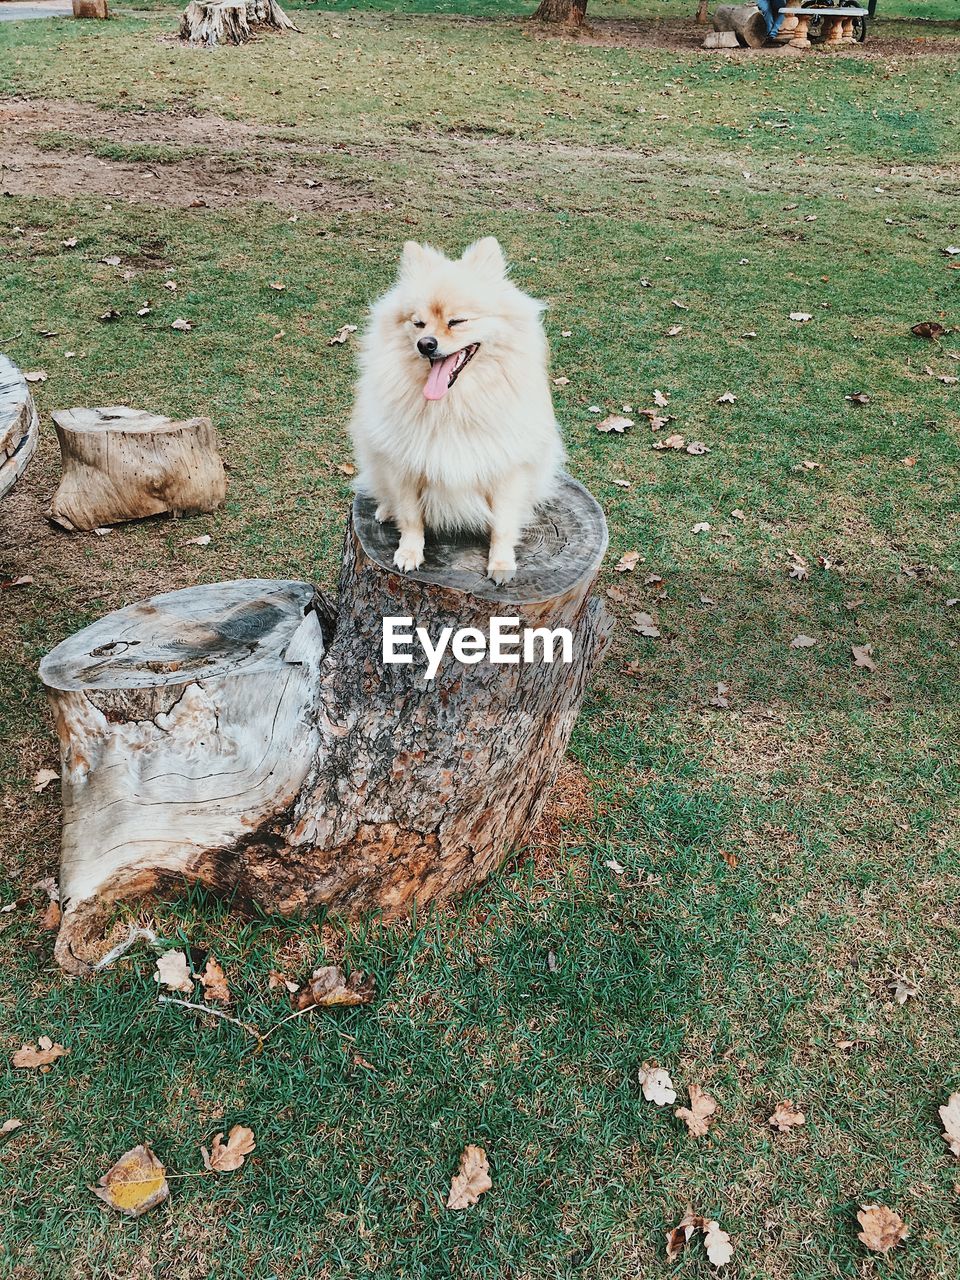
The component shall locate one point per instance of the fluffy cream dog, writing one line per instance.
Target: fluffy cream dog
(453, 425)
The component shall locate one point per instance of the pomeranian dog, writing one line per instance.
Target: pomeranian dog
(453, 426)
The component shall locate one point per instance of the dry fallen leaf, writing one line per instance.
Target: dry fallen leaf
(785, 1116)
(173, 972)
(561, 382)
(224, 1157)
(801, 317)
(471, 1180)
(950, 1116)
(859, 397)
(278, 979)
(347, 468)
(697, 1117)
(701, 526)
(214, 981)
(674, 331)
(181, 325)
(36, 375)
(669, 442)
(902, 988)
(45, 1053)
(276, 284)
(10, 1126)
(721, 698)
(330, 986)
(52, 915)
(802, 642)
(883, 1229)
(727, 398)
(202, 540)
(614, 422)
(863, 656)
(644, 625)
(697, 448)
(660, 399)
(716, 1241)
(717, 1244)
(42, 779)
(656, 1085)
(929, 329)
(135, 1184)
(342, 334)
(627, 562)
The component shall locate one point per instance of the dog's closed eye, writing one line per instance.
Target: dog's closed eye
(451, 323)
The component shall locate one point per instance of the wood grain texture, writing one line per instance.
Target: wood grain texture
(562, 547)
(215, 22)
(124, 464)
(19, 425)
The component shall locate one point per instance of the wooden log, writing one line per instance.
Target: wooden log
(90, 9)
(394, 788)
(124, 464)
(184, 728)
(745, 20)
(19, 425)
(213, 22)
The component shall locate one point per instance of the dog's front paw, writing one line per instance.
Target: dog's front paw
(408, 557)
(501, 570)
(383, 514)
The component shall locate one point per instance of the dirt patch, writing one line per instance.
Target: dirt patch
(285, 174)
(684, 36)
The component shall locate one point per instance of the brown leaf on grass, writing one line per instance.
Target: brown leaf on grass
(347, 468)
(36, 375)
(656, 1085)
(798, 568)
(330, 986)
(882, 1228)
(785, 1116)
(278, 979)
(342, 334)
(697, 448)
(902, 988)
(471, 1180)
(644, 625)
(715, 1240)
(224, 1157)
(41, 1056)
(863, 656)
(52, 915)
(727, 398)
(614, 422)
(674, 331)
(660, 400)
(135, 1184)
(698, 1116)
(929, 329)
(173, 972)
(627, 562)
(859, 397)
(214, 981)
(42, 779)
(10, 1126)
(24, 580)
(657, 420)
(721, 698)
(950, 1118)
(181, 325)
(674, 441)
(802, 642)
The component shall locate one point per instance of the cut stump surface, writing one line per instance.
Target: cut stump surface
(19, 425)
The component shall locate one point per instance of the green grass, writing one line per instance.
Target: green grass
(836, 791)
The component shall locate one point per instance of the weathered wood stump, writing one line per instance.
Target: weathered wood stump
(745, 21)
(19, 425)
(372, 786)
(214, 22)
(124, 464)
(90, 9)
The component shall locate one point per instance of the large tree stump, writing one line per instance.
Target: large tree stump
(572, 13)
(393, 788)
(124, 464)
(214, 22)
(19, 425)
(745, 21)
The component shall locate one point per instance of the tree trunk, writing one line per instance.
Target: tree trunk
(745, 20)
(571, 12)
(703, 16)
(122, 464)
(19, 425)
(211, 735)
(213, 22)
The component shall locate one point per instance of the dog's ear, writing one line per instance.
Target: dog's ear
(487, 256)
(416, 255)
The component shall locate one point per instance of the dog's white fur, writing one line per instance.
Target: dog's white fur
(485, 454)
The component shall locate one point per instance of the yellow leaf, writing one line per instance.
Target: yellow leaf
(135, 1184)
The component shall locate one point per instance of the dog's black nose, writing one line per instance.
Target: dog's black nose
(427, 346)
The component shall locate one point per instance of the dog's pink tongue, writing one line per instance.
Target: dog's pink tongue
(438, 379)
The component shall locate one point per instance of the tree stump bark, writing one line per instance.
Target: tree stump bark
(90, 9)
(214, 22)
(19, 425)
(372, 787)
(123, 464)
(572, 13)
(745, 20)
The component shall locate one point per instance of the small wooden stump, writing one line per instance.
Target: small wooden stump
(90, 9)
(124, 464)
(214, 22)
(214, 736)
(19, 425)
